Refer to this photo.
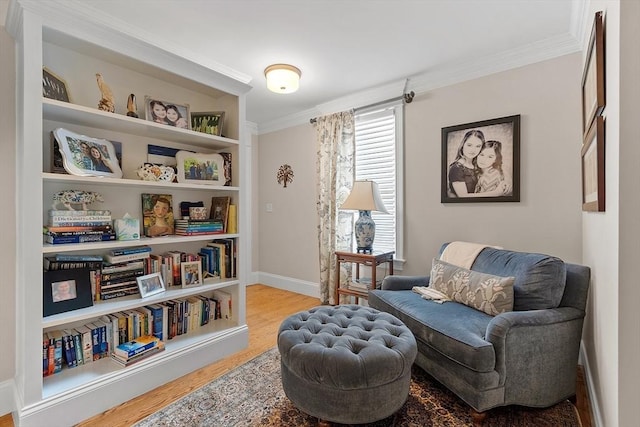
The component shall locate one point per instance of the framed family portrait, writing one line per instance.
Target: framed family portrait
(191, 273)
(54, 87)
(593, 80)
(150, 284)
(167, 113)
(66, 290)
(210, 123)
(481, 161)
(593, 182)
(200, 168)
(86, 156)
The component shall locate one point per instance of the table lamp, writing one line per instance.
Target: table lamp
(364, 197)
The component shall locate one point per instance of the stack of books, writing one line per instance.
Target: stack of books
(139, 349)
(194, 227)
(66, 226)
(120, 271)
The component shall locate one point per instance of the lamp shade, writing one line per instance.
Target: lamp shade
(282, 78)
(364, 196)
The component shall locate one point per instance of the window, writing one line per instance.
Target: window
(378, 141)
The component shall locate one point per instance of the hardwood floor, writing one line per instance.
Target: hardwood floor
(266, 308)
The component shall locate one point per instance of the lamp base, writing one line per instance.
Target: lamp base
(365, 230)
(364, 250)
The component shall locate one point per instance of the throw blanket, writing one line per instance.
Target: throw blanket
(463, 254)
(431, 293)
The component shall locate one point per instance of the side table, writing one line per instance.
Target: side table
(372, 260)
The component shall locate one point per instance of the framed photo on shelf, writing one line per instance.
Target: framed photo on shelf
(210, 123)
(220, 210)
(167, 113)
(157, 214)
(593, 80)
(86, 156)
(150, 284)
(191, 273)
(54, 87)
(593, 182)
(200, 168)
(481, 161)
(66, 290)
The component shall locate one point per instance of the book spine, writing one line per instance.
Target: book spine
(50, 264)
(129, 251)
(63, 219)
(58, 240)
(126, 352)
(77, 258)
(109, 278)
(104, 296)
(68, 213)
(75, 233)
(59, 224)
(124, 258)
(126, 266)
(108, 228)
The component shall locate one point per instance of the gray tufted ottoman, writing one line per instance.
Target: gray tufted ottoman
(346, 364)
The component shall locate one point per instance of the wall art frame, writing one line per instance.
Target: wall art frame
(220, 210)
(200, 168)
(496, 181)
(54, 86)
(593, 168)
(593, 76)
(158, 111)
(150, 284)
(66, 290)
(86, 156)
(208, 122)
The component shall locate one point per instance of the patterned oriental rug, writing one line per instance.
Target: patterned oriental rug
(252, 395)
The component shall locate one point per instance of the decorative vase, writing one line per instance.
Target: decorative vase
(365, 232)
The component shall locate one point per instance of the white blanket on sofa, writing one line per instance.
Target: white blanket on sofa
(463, 254)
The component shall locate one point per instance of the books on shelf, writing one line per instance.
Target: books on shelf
(98, 237)
(67, 226)
(117, 259)
(189, 227)
(138, 357)
(136, 346)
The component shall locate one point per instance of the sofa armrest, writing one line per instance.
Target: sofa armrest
(529, 345)
(403, 283)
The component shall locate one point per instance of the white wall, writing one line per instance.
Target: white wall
(546, 220)
(7, 213)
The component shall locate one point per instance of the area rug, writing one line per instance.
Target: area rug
(252, 395)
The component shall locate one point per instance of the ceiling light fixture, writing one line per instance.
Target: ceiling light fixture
(282, 78)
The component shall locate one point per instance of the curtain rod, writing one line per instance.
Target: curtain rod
(406, 98)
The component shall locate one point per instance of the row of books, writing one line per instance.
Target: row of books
(136, 350)
(196, 227)
(219, 258)
(102, 338)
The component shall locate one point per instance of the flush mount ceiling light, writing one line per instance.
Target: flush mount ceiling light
(282, 78)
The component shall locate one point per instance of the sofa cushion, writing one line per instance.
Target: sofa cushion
(485, 292)
(539, 279)
(453, 329)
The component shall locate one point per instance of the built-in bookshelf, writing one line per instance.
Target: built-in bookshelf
(76, 48)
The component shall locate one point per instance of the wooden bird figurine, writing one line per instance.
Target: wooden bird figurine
(106, 103)
(132, 108)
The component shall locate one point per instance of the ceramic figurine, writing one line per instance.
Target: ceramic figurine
(75, 197)
(132, 108)
(106, 103)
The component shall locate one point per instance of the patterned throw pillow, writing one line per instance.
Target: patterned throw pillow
(485, 292)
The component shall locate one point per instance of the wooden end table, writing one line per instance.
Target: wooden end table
(372, 260)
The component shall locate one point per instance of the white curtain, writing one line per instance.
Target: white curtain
(335, 174)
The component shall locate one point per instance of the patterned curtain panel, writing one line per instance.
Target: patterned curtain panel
(335, 174)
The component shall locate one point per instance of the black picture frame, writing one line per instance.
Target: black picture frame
(54, 87)
(77, 283)
(593, 168)
(500, 185)
(593, 76)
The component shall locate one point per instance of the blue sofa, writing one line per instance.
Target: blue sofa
(526, 357)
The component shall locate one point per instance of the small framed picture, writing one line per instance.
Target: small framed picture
(481, 161)
(220, 210)
(593, 183)
(66, 290)
(191, 273)
(167, 113)
(86, 156)
(151, 284)
(200, 168)
(54, 87)
(210, 123)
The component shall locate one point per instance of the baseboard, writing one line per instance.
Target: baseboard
(7, 401)
(303, 287)
(595, 405)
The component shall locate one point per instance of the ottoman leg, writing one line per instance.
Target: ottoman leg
(323, 423)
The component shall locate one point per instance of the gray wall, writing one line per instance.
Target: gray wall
(547, 219)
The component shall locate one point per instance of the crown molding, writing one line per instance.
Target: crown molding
(72, 12)
(456, 73)
(291, 120)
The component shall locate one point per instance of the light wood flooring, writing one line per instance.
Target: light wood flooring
(266, 308)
